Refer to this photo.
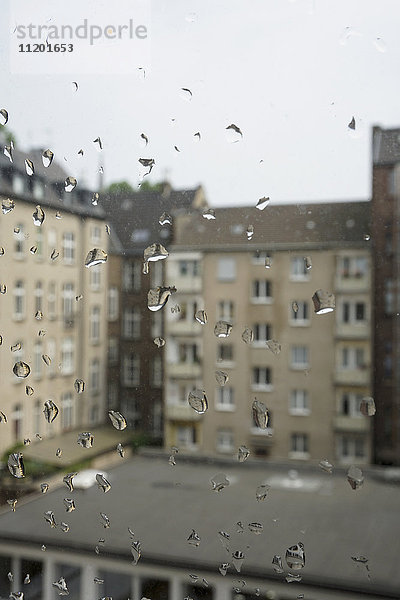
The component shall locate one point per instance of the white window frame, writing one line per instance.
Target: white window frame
(67, 299)
(298, 269)
(95, 278)
(261, 291)
(264, 383)
(157, 372)
(95, 234)
(262, 332)
(19, 301)
(258, 258)
(353, 267)
(184, 437)
(226, 269)
(226, 362)
(351, 441)
(37, 366)
(67, 410)
(188, 268)
(113, 303)
(38, 294)
(299, 446)
(352, 310)
(225, 441)
(69, 248)
(301, 318)
(112, 351)
(225, 310)
(19, 243)
(354, 401)
(131, 323)
(52, 301)
(299, 403)
(131, 370)
(298, 365)
(131, 275)
(67, 356)
(94, 376)
(94, 324)
(353, 363)
(225, 399)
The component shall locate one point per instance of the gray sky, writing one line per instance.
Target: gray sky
(286, 72)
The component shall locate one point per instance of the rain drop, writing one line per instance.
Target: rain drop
(295, 557)
(175, 309)
(79, 386)
(50, 411)
(159, 342)
(54, 254)
(58, 453)
(29, 390)
(39, 315)
(27, 441)
(95, 257)
(324, 302)
(1, 251)
(194, 539)
(44, 487)
(201, 317)
(250, 232)
(247, 335)
(262, 492)
(186, 94)
(147, 162)
(308, 262)
(69, 504)
(268, 262)
(105, 520)
(85, 439)
(379, 44)
(325, 465)
(223, 568)
(367, 406)
(295, 307)
(8, 152)
(21, 369)
(262, 203)
(243, 454)
(70, 184)
(355, 477)
(256, 528)
(222, 329)
(50, 518)
(165, 219)
(352, 124)
(47, 158)
(277, 564)
(136, 552)
(154, 253)
(3, 288)
(117, 419)
(172, 461)
(33, 249)
(158, 297)
(61, 585)
(120, 450)
(46, 359)
(219, 482)
(198, 401)
(102, 483)
(67, 479)
(15, 347)
(144, 137)
(95, 199)
(209, 214)
(7, 206)
(29, 167)
(237, 560)
(108, 230)
(366, 237)
(58, 215)
(99, 143)
(221, 377)
(27, 579)
(3, 116)
(12, 503)
(290, 578)
(260, 414)
(235, 132)
(16, 596)
(64, 527)
(274, 346)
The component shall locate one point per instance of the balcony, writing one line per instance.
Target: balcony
(184, 370)
(351, 424)
(188, 283)
(352, 376)
(181, 412)
(352, 331)
(353, 283)
(184, 327)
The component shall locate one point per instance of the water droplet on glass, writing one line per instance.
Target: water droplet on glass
(260, 414)
(201, 317)
(243, 453)
(352, 124)
(120, 450)
(147, 162)
(324, 302)
(95, 199)
(157, 297)
(39, 437)
(50, 518)
(256, 528)
(262, 203)
(3, 288)
(219, 482)
(159, 342)
(197, 135)
(191, 17)
(99, 143)
(198, 401)
(380, 45)
(355, 477)
(360, 559)
(308, 262)
(221, 377)
(47, 158)
(85, 439)
(16, 596)
(222, 329)
(98, 581)
(194, 539)
(186, 94)
(58, 453)
(175, 309)
(3, 116)
(367, 406)
(237, 560)
(223, 568)
(61, 585)
(27, 441)
(55, 254)
(16, 347)
(12, 503)
(295, 557)
(27, 579)
(33, 249)
(44, 487)
(80, 152)
(58, 215)
(290, 578)
(8, 152)
(46, 359)
(154, 253)
(29, 167)
(268, 262)
(105, 520)
(102, 483)
(39, 315)
(262, 492)
(117, 419)
(7, 206)
(79, 297)
(70, 184)
(67, 479)
(95, 257)
(29, 390)
(21, 369)
(209, 214)
(325, 465)
(247, 335)
(50, 411)
(136, 552)
(69, 504)
(108, 230)
(234, 133)
(295, 307)
(79, 386)
(17, 230)
(165, 219)
(250, 232)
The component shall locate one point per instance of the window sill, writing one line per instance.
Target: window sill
(18, 318)
(259, 343)
(224, 450)
(300, 367)
(226, 364)
(299, 412)
(225, 408)
(265, 432)
(19, 257)
(260, 387)
(299, 278)
(299, 455)
(262, 300)
(299, 323)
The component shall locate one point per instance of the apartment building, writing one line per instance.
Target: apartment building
(135, 362)
(385, 240)
(258, 271)
(52, 308)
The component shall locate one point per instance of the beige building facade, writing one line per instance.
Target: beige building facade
(313, 387)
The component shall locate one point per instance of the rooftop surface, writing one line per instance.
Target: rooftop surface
(163, 503)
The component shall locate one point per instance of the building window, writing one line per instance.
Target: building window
(156, 324)
(188, 268)
(156, 372)
(262, 291)
(39, 243)
(351, 448)
(225, 353)
(113, 303)
(261, 379)
(94, 376)
(67, 356)
(225, 310)
(353, 312)
(112, 351)
(299, 313)
(95, 278)
(129, 407)
(131, 323)
(18, 184)
(94, 325)
(186, 436)
(132, 273)
(38, 190)
(224, 399)
(388, 361)
(112, 395)
(259, 257)
(67, 301)
(68, 248)
(225, 440)
(298, 269)
(350, 404)
(19, 241)
(299, 358)
(299, 403)
(226, 269)
(38, 293)
(37, 360)
(95, 234)
(389, 297)
(262, 333)
(16, 419)
(351, 267)
(353, 358)
(19, 301)
(51, 301)
(131, 370)
(51, 242)
(51, 352)
(67, 410)
(156, 270)
(299, 445)
(188, 353)
(140, 235)
(37, 416)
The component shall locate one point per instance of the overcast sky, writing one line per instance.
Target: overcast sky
(288, 73)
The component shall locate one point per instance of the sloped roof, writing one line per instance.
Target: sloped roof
(277, 226)
(162, 505)
(385, 146)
